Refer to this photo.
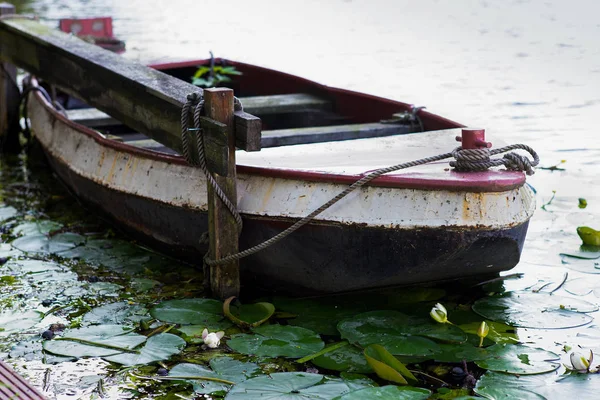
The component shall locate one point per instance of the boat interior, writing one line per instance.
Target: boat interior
(292, 110)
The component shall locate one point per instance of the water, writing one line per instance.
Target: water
(526, 71)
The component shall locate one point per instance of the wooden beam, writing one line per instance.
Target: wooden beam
(284, 103)
(145, 99)
(222, 228)
(318, 134)
(9, 98)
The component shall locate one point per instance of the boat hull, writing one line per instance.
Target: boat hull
(380, 237)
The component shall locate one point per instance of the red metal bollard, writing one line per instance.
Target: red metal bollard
(473, 139)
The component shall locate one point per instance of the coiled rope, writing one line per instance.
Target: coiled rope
(196, 101)
(465, 160)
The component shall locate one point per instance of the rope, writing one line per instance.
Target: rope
(25, 99)
(479, 159)
(475, 158)
(196, 100)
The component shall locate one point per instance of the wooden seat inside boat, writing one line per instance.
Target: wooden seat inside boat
(308, 119)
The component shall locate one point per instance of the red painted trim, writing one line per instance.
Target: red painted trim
(490, 181)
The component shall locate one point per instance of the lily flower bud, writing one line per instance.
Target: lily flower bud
(482, 332)
(580, 363)
(439, 314)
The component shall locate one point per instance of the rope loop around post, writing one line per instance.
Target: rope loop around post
(479, 159)
(195, 101)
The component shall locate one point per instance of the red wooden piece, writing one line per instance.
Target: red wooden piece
(97, 27)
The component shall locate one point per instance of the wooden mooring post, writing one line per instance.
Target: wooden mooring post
(222, 227)
(9, 98)
(150, 102)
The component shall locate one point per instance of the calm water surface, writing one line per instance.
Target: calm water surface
(527, 71)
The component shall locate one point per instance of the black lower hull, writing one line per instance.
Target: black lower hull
(320, 257)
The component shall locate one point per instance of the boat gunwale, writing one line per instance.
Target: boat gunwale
(389, 181)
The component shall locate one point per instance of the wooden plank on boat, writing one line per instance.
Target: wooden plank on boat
(222, 227)
(13, 386)
(320, 134)
(142, 98)
(91, 117)
(283, 103)
(286, 137)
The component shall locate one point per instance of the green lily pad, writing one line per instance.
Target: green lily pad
(347, 358)
(498, 332)
(116, 313)
(387, 393)
(321, 316)
(459, 352)
(206, 312)
(589, 236)
(17, 320)
(36, 228)
(7, 212)
(535, 310)
(290, 386)
(43, 244)
(100, 341)
(142, 285)
(248, 315)
(497, 386)
(518, 359)
(386, 366)
(587, 266)
(582, 286)
(157, 348)
(220, 367)
(277, 341)
(585, 252)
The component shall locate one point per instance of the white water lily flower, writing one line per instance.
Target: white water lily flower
(580, 363)
(212, 339)
(439, 314)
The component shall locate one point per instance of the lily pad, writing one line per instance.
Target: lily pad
(582, 286)
(518, 359)
(277, 341)
(289, 386)
(193, 333)
(44, 244)
(459, 352)
(386, 366)
(347, 358)
(587, 266)
(248, 315)
(585, 252)
(95, 341)
(321, 316)
(142, 285)
(36, 228)
(116, 313)
(157, 348)
(535, 310)
(498, 332)
(17, 320)
(387, 393)
(220, 367)
(497, 386)
(7, 212)
(205, 312)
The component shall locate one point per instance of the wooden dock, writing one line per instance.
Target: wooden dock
(13, 386)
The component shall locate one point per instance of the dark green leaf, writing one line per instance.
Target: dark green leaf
(519, 359)
(387, 393)
(157, 348)
(277, 341)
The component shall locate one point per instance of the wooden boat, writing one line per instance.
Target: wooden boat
(424, 224)
(98, 31)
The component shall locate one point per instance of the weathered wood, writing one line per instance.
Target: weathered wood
(91, 117)
(216, 146)
(145, 99)
(9, 98)
(13, 386)
(287, 137)
(284, 103)
(248, 131)
(222, 228)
